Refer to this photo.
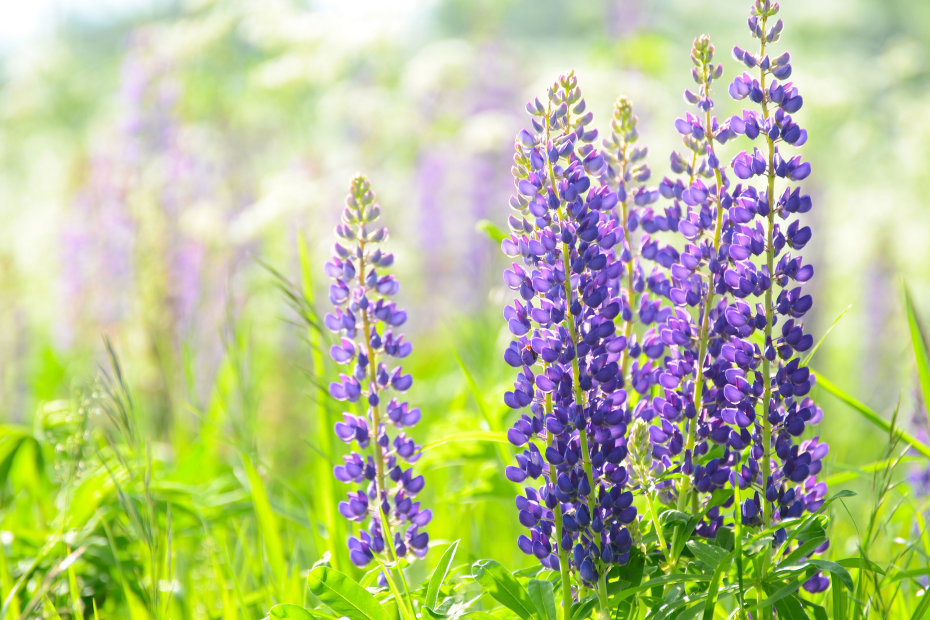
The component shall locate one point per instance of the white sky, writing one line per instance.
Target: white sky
(23, 21)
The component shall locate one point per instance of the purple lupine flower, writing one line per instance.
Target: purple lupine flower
(682, 403)
(774, 377)
(643, 296)
(627, 173)
(366, 319)
(565, 346)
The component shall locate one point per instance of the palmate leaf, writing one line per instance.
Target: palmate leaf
(345, 597)
(711, 555)
(503, 587)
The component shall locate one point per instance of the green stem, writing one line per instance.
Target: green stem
(379, 455)
(630, 293)
(738, 547)
(602, 594)
(769, 308)
(650, 502)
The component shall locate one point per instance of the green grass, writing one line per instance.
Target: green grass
(225, 514)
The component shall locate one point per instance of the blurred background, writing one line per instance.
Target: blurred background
(157, 157)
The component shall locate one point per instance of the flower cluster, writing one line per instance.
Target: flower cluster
(718, 389)
(365, 318)
(566, 346)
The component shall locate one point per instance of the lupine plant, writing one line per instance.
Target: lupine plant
(365, 317)
(659, 353)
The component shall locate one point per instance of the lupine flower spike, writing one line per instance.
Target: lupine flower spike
(685, 418)
(565, 345)
(789, 468)
(366, 319)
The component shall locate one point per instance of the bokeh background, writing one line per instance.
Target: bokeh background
(156, 158)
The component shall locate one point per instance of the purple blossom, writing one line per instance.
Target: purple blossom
(780, 383)
(724, 410)
(566, 348)
(366, 318)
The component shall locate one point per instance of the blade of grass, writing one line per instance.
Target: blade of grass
(440, 574)
(492, 436)
(6, 585)
(848, 472)
(919, 343)
(76, 607)
(825, 334)
(871, 415)
(268, 527)
(334, 524)
(478, 396)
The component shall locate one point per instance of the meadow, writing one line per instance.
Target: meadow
(187, 357)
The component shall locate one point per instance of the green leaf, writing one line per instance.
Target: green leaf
(804, 549)
(503, 587)
(824, 337)
(834, 569)
(439, 575)
(267, 524)
(622, 595)
(543, 598)
(674, 516)
(493, 231)
(478, 395)
(582, 609)
(861, 563)
(819, 612)
(345, 597)
(919, 343)
(292, 612)
(711, 555)
(625, 576)
(789, 608)
(441, 610)
(871, 416)
(713, 589)
(786, 590)
(839, 603)
(922, 608)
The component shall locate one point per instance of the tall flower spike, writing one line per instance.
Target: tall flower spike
(684, 408)
(366, 318)
(627, 173)
(565, 345)
(787, 468)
